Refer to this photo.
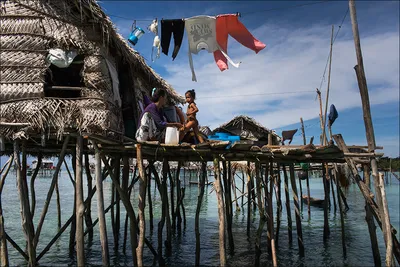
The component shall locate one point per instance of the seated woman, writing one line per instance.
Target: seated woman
(152, 124)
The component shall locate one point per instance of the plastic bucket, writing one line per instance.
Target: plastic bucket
(171, 136)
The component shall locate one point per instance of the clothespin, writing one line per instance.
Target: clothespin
(238, 14)
(133, 25)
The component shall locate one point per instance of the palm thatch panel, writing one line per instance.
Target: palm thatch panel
(14, 75)
(22, 58)
(17, 9)
(23, 42)
(60, 114)
(20, 91)
(95, 63)
(13, 25)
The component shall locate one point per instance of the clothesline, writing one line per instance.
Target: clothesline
(241, 14)
(276, 93)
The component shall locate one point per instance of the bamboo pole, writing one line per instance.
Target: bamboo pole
(369, 129)
(297, 212)
(50, 192)
(287, 204)
(33, 178)
(100, 212)
(3, 241)
(142, 201)
(221, 213)
(80, 252)
(327, 90)
(197, 217)
(321, 121)
(26, 218)
(88, 211)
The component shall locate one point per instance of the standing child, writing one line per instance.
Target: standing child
(191, 122)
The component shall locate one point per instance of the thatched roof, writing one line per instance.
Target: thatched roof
(246, 128)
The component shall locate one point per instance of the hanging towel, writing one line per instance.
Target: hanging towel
(333, 114)
(201, 31)
(288, 135)
(230, 24)
(169, 27)
(156, 46)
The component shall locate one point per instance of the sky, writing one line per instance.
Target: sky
(278, 85)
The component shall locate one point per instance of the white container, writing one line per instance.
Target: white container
(171, 136)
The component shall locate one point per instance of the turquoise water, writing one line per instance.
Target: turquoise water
(317, 252)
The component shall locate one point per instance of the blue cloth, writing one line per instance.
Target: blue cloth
(157, 116)
(333, 114)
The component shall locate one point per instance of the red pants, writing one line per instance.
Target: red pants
(230, 24)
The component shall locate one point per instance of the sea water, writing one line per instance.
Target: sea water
(317, 252)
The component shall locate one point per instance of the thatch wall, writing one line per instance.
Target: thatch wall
(29, 29)
(247, 128)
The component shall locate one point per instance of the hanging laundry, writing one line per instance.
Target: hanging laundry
(156, 45)
(201, 31)
(333, 114)
(288, 135)
(169, 27)
(230, 24)
(153, 27)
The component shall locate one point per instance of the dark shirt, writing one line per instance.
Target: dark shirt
(156, 114)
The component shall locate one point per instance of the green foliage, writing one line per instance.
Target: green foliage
(384, 163)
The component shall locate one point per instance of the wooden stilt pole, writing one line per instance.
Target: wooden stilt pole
(179, 197)
(341, 212)
(142, 201)
(307, 179)
(234, 190)
(242, 187)
(150, 201)
(271, 213)
(100, 212)
(248, 198)
(168, 241)
(80, 252)
(33, 178)
(333, 193)
(117, 173)
(386, 219)
(326, 201)
(51, 190)
(301, 195)
(26, 218)
(73, 223)
(266, 205)
(278, 204)
(369, 129)
(297, 212)
(58, 201)
(287, 204)
(227, 179)
(88, 211)
(172, 198)
(370, 221)
(263, 218)
(3, 241)
(197, 217)
(127, 204)
(221, 212)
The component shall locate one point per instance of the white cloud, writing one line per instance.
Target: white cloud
(292, 62)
